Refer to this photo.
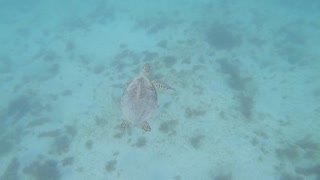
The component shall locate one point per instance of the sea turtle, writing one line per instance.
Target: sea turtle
(139, 99)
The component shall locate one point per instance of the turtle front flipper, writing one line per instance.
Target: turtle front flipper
(159, 84)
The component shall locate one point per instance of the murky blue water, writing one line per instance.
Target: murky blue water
(245, 74)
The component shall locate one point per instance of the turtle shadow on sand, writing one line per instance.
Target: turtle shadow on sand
(139, 99)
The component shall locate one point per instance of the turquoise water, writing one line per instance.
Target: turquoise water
(245, 73)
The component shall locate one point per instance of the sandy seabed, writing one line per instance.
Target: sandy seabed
(246, 104)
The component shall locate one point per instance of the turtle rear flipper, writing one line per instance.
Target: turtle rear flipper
(162, 85)
(125, 124)
(145, 126)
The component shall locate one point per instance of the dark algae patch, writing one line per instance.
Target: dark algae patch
(287, 153)
(6, 146)
(141, 142)
(231, 68)
(67, 161)
(221, 176)
(89, 144)
(61, 145)
(168, 127)
(222, 38)
(308, 171)
(11, 173)
(246, 105)
(192, 112)
(195, 141)
(111, 165)
(240, 85)
(47, 170)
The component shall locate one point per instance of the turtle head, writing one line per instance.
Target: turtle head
(146, 69)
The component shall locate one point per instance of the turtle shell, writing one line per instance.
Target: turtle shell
(139, 100)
